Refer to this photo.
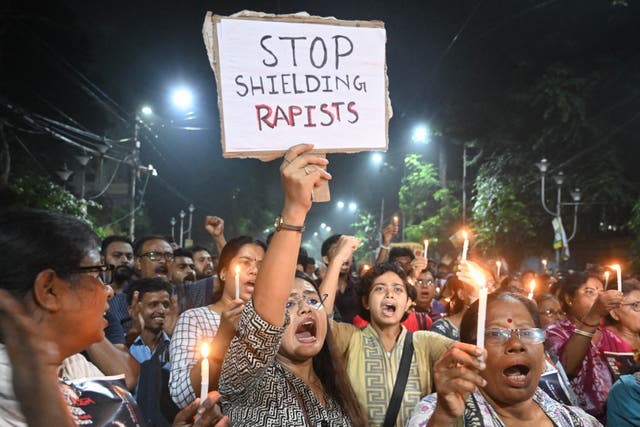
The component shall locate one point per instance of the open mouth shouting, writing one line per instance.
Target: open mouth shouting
(388, 309)
(517, 375)
(306, 331)
(162, 270)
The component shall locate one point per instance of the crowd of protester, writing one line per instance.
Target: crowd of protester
(298, 342)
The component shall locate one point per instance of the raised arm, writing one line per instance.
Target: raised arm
(386, 236)
(301, 172)
(215, 227)
(345, 248)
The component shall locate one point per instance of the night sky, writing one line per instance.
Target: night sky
(439, 54)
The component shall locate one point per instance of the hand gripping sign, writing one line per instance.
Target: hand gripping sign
(288, 79)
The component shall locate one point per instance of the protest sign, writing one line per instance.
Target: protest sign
(288, 79)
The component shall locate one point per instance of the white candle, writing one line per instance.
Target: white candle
(204, 372)
(482, 306)
(465, 245)
(395, 220)
(544, 264)
(498, 267)
(482, 316)
(618, 270)
(426, 248)
(237, 281)
(606, 280)
(532, 287)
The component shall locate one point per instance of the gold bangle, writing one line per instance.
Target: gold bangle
(584, 333)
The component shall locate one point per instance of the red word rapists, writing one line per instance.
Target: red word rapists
(310, 115)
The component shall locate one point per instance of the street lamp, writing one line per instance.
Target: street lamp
(173, 227)
(182, 98)
(352, 206)
(182, 214)
(576, 196)
(340, 204)
(191, 209)
(421, 135)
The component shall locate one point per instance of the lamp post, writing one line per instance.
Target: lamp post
(182, 214)
(576, 195)
(191, 209)
(172, 221)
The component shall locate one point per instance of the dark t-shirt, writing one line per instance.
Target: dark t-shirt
(348, 302)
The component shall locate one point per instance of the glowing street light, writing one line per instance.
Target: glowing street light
(146, 110)
(182, 98)
(376, 158)
(421, 135)
(340, 204)
(353, 206)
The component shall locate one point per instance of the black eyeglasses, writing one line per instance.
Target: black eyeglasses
(157, 256)
(102, 272)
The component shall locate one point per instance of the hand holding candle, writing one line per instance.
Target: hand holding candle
(237, 281)
(204, 372)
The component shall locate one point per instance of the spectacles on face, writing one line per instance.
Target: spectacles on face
(102, 272)
(424, 283)
(157, 256)
(499, 336)
(312, 301)
(551, 313)
(635, 306)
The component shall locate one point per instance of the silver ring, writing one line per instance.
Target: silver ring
(306, 170)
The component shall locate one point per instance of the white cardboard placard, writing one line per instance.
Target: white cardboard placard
(289, 79)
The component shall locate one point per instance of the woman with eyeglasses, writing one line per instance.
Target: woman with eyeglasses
(580, 340)
(52, 305)
(549, 308)
(240, 261)
(504, 390)
(280, 368)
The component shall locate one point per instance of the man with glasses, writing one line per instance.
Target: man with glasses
(425, 296)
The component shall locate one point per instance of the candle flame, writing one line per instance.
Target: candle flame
(544, 262)
(615, 267)
(606, 275)
(498, 264)
(204, 350)
(237, 269)
(395, 220)
(366, 267)
(532, 285)
(465, 236)
(426, 241)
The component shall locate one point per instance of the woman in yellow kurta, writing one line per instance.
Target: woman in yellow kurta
(372, 354)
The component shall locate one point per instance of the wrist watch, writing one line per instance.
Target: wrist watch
(281, 225)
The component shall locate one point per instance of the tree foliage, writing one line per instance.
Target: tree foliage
(430, 211)
(367, 230)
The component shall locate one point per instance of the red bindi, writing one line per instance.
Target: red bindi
(509, 320)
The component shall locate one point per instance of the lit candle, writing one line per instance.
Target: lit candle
(437, 290)
(465, 245)
(544, 264)
(498, 267)
(204, 372)
(426, 248)
(618, 270)
(606, 280)
(395, 220)
(482, 305)
(237, 281)
(366, 267)
(532, 287)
